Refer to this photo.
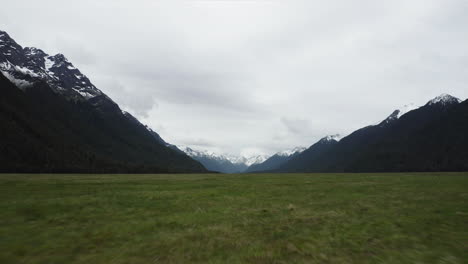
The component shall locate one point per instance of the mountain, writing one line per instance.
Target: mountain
(215, 162)
(299, 162)
(275, 161)
(222, 163)
(53, 119)
(429, 138)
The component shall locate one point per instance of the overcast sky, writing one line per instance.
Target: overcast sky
(255, 77)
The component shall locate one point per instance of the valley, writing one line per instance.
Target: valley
(238, 218)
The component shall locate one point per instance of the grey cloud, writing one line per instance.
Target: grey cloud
(295, 126)
(76, 51)
(137, 102)
(199, 142)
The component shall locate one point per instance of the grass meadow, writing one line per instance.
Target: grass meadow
(241, 218)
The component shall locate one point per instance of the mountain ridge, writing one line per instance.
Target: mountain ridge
(55, 120)
(396, 143)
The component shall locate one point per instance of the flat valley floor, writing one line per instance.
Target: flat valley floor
(246, 218)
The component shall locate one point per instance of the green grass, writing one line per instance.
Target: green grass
(282, 218)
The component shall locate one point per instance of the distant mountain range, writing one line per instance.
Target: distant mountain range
(238, 164)
(428, 138)
(433, 137)
(53, 119)
(275, 161)
(223, 163)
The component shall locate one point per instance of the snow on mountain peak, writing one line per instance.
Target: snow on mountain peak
(25, 66)
(405, 109)
(336, 137)
(255, 160)
(444, 99)
(399, 113)
(223, 157)
(248, 161)
(287, 153)
(201, 153)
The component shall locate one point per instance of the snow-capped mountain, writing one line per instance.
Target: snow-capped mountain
(427, 138)
(276, 160)
(247, 161)
(221, 162)
(202, 153)
(336, 137)
(287, 153)
(444, 99)
(54, 119)
(25, 66)
(441, 100)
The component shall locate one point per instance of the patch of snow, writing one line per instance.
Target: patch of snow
(147, 127)
(398, 113)
(288, 153)
(236, 159)
(405, 109)
(5, 65)
(255, 160)
(48, 63)
(336, 137)
(26, 71)
(70, 67)
(12, 72)
(85, 94)
(22, 84)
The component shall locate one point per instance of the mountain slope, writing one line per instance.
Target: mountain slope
(54, 120)
(300, 162)
(430, 138)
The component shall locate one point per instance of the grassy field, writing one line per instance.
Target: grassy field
(295, 218)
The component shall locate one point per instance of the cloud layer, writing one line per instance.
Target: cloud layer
(246, 77)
